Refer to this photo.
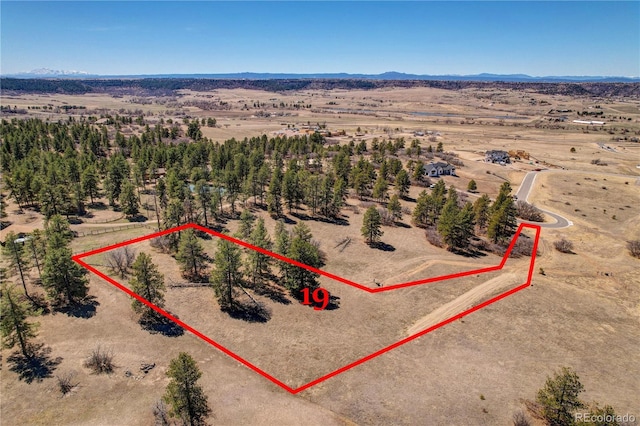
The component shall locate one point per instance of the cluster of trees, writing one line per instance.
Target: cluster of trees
(63, 280)
(233, 269)
(558, 402)
(458, 222)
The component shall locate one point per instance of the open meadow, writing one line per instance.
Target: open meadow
(582, 309)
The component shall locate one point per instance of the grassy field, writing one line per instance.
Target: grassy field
(583, 312)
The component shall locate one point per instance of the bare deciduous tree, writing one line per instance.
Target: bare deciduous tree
(120, 260)
(100, 360)
(634, 248)
(563, 245)
(529, 212)
(520, 419)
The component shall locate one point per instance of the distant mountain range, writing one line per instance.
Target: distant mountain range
(391, 75)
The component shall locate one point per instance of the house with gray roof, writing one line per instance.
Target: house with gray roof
(438, 169)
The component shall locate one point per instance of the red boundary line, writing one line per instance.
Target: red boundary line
(78, 258)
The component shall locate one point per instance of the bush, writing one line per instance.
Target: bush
(65, 382)
(563, 246)
(520, 419)
(100, 361)
(634, 248)
(120, 260)
(386, 217)
(522, 247)
(434, 237)
(161, 243)
(529, 212)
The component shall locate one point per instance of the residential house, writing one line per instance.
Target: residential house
(438, 169)
(497, 156)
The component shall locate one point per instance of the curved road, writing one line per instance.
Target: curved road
(523, 194)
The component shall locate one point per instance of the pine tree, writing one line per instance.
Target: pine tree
(128, 200)
(226, 273)
(371, 224)
(472, 186)
(448, 219)
(463, 229)
(63, 279)
(13, 321)
(481, 211)
(380, 189)
(302, 250)
(57, 232)
(191, 256)
(259, 264)
(395, 208)
(184, 395)
(403, 183)
(15, 254)
(559, 397)
(274, 203)
(502, 223)
(203, 192)
(148, 283)
(246, 225)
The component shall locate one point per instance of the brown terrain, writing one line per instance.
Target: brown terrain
(583, 312)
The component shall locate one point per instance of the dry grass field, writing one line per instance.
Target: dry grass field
(584, 312)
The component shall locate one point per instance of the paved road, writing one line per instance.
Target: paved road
(523, 194)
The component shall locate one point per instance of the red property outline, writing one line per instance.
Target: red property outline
(78, 259)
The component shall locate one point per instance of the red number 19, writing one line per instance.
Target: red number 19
(320, 295)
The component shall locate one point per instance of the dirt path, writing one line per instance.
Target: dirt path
(465, 301)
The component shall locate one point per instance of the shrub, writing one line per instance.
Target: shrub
(573, 149)
(65, 382)
(522, 247)
(100, 361)
(529, 212)
(434, 237)
(634, 248)
(161, 243)
(520, 419)
(563, 245)
(120, 260)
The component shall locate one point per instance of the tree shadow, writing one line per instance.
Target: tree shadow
(471, 252)
(98, 205)
(84, 309)
(402, 225)
(159, 324)
(248, 311)
(288, 220)
(273, 293)
(137, 218)
(334, 221)
(382, 246)
(37, 367)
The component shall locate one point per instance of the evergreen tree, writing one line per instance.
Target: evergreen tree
(502, 216)
(259, 264)
(63, 279)
(403, 183)
(302, 250)
(13, 321)
(418, 171)
(15, 254)
(226, 273)
(246, 225)
(184, 395)
(380, 189)
(395, 208)
(559, 398)
(371, 224)
(128, 200)
(147, 282)
(191, 256)
(472, 186)
(274, 204)
(203, 192)
(481, 211)
(57, 232)
(448, 219)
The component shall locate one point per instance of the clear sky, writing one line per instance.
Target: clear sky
(420, 37)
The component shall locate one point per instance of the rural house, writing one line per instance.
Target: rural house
(496, 156)
(439, 169)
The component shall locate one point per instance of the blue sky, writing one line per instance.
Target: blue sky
(421, 37)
